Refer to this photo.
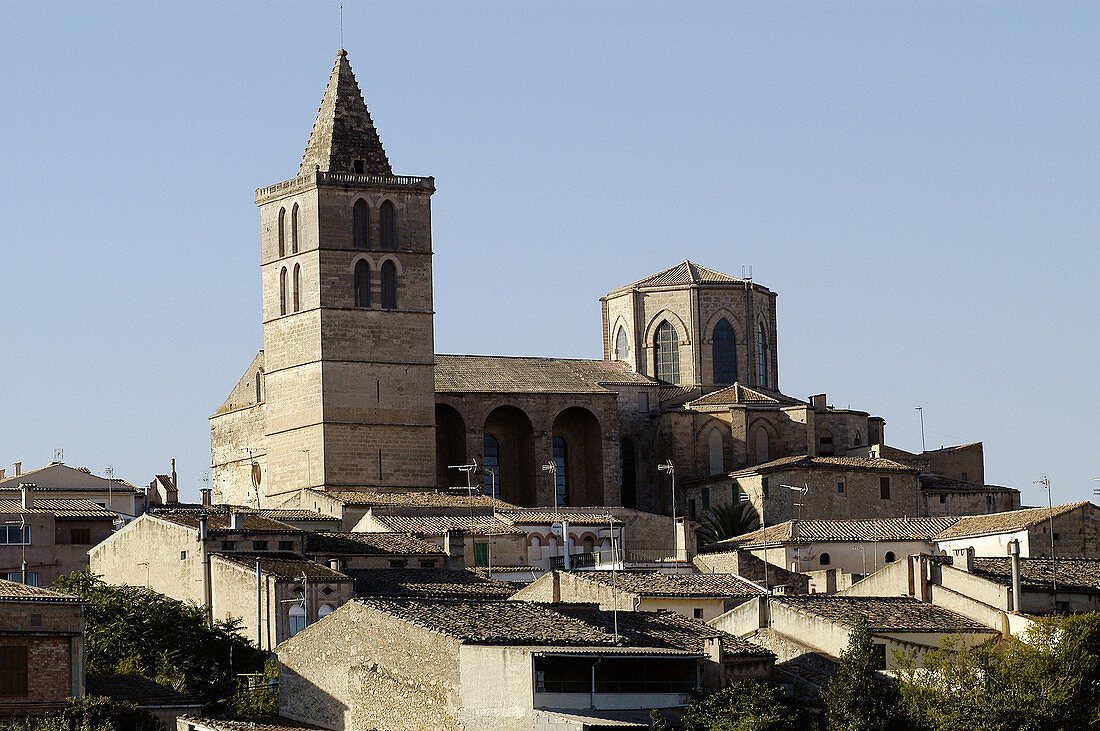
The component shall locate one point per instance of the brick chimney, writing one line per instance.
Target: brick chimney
(18, 468)
(236, 520)
(205, 492)
(27, 490)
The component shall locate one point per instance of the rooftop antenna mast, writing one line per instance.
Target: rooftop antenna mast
(109, 471)
(341, 26)
(922, 447)
(1045, 482)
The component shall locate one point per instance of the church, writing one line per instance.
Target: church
(348, 394)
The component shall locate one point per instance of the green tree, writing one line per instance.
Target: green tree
(726, 521)
(130, 629)
(92, 714)
(860, 698)
(745, 706)
(1046, 680)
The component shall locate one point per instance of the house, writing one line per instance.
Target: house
(454, 664)
(237, 564)
(748, 566)
(1076, 532)
(162, 701)
(429, 583)
(945, 496)
(374, 550)
(44, 538)
(696, 596)
(41, 649)
(822, 623)
(60, 481)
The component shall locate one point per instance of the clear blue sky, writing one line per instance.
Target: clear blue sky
(918, 182)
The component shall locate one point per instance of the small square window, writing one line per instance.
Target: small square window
(286, 545)
(964, 477)
(398, 563)
(698, 613)
(259, 545)
(229, 545)
(81, 536)
(884, 488)
(427, 563)
(36, 620)
(327, 590)
(943, 499)
(183, 555)
(840, 487)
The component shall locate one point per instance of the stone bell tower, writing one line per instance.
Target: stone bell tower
(346, 262)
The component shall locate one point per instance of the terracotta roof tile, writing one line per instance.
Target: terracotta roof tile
(298, 515)
(139, 690)
(369, 544)
(842, 463)
(220, 522)
(60, 508)
(738, 394)
(523, 516)
(1036, 574)
(506, 374)
(267, 723)
(437, 583)
(282, 565)
(686, 272)
(884, 614)
(425, 498)
(656, 584)
(872, 529)
(14, 591)
(929, 481)
(1007, 522)
(438, 525)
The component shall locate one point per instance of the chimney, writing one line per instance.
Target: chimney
(818, 402)
(1014, 557)
(18, 468)
(203, 527)
(794, 529)
(963, 559)
(236, 520)
(454, 545)
(175, 484)
(334, 564)
(27, 489)
(2, 471)
(555, 595)
(205, 492)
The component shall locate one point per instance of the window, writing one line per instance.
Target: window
(83, 536)
(724, 350)
(762, 356)
(398, 563)
(282, 291)
(856, 439)
(259, 387)
(183, 555)
(666, 354)
(229, 545)
(964, 477)
(13, 671)
(622, 345)
(36, 619)
(824, 559)
(589, 544)
(481, 554)
(884, 488)
(890, 558)
(297, 616)
(491, 456)
(698, 613)
(325, 610)
(389, 286)
(714, 446)
(989, 502)
(825, 442)
(17, 577)
(427, 563)
(362, 284)
(286, 545)
(943, 499)
(360, 225)
(282, 232)
(14, 535)
(643, 402)
(297, 287)
(705, 494)
(561, 479)
(387, 222)
(294, 230)
(840, 487)
(761, 446)
(259, 545)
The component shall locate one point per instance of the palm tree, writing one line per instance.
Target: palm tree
(726, 521)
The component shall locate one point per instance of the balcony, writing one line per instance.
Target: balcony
(620, 559)
(319, 177)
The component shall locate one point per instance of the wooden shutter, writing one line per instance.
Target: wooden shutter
(13, 671)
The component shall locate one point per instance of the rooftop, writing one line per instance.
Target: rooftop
(508, 374)
(267, 723)
(369, 544)
(220, 522)
(883, 614)
(738, 394)
(136, 689)
(929, 481)
(842, 463)
(685, 273)
(60, 508)
(11, 591)
(1037, 574)
(523, 516)
(297, 515)
(873, 529)
(282, 565)
(58, 476)
(654, 583)
(439, 525)
(427, 498)
(971, 526)
(434, 583)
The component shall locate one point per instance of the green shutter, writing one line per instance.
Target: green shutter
(481, 554)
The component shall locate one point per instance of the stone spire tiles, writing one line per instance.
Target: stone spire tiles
(344, 139)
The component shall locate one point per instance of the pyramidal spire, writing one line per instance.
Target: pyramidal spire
(344, 139)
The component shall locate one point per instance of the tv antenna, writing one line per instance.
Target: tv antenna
(58, 455)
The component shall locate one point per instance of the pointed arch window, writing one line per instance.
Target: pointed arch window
(362, 284)
(761, 446)
(561, 478)
(389, 286)
(762, 356)
(666, 354)
(282, 232)
(282, 291)
(714, 447)
(622, 345)
(387, 222)
(360, 225)
(724, 351)
(297, 287)
(491, 456)
(259, 387)
(294, 230)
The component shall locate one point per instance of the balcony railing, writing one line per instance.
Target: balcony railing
(619, 559)
(321, 177)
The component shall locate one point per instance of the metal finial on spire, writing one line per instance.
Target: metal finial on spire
(341, 25)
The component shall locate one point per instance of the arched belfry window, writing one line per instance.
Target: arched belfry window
(561, 478)
(622, 345)
(282, 291)
(387, 222)
(360, 225)
(294, 230)
(282, 232)
(724, 351)
(714, 447)
(297, 287)
(762, 356)
(666, 354)
(389, 286)
(362, 284)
